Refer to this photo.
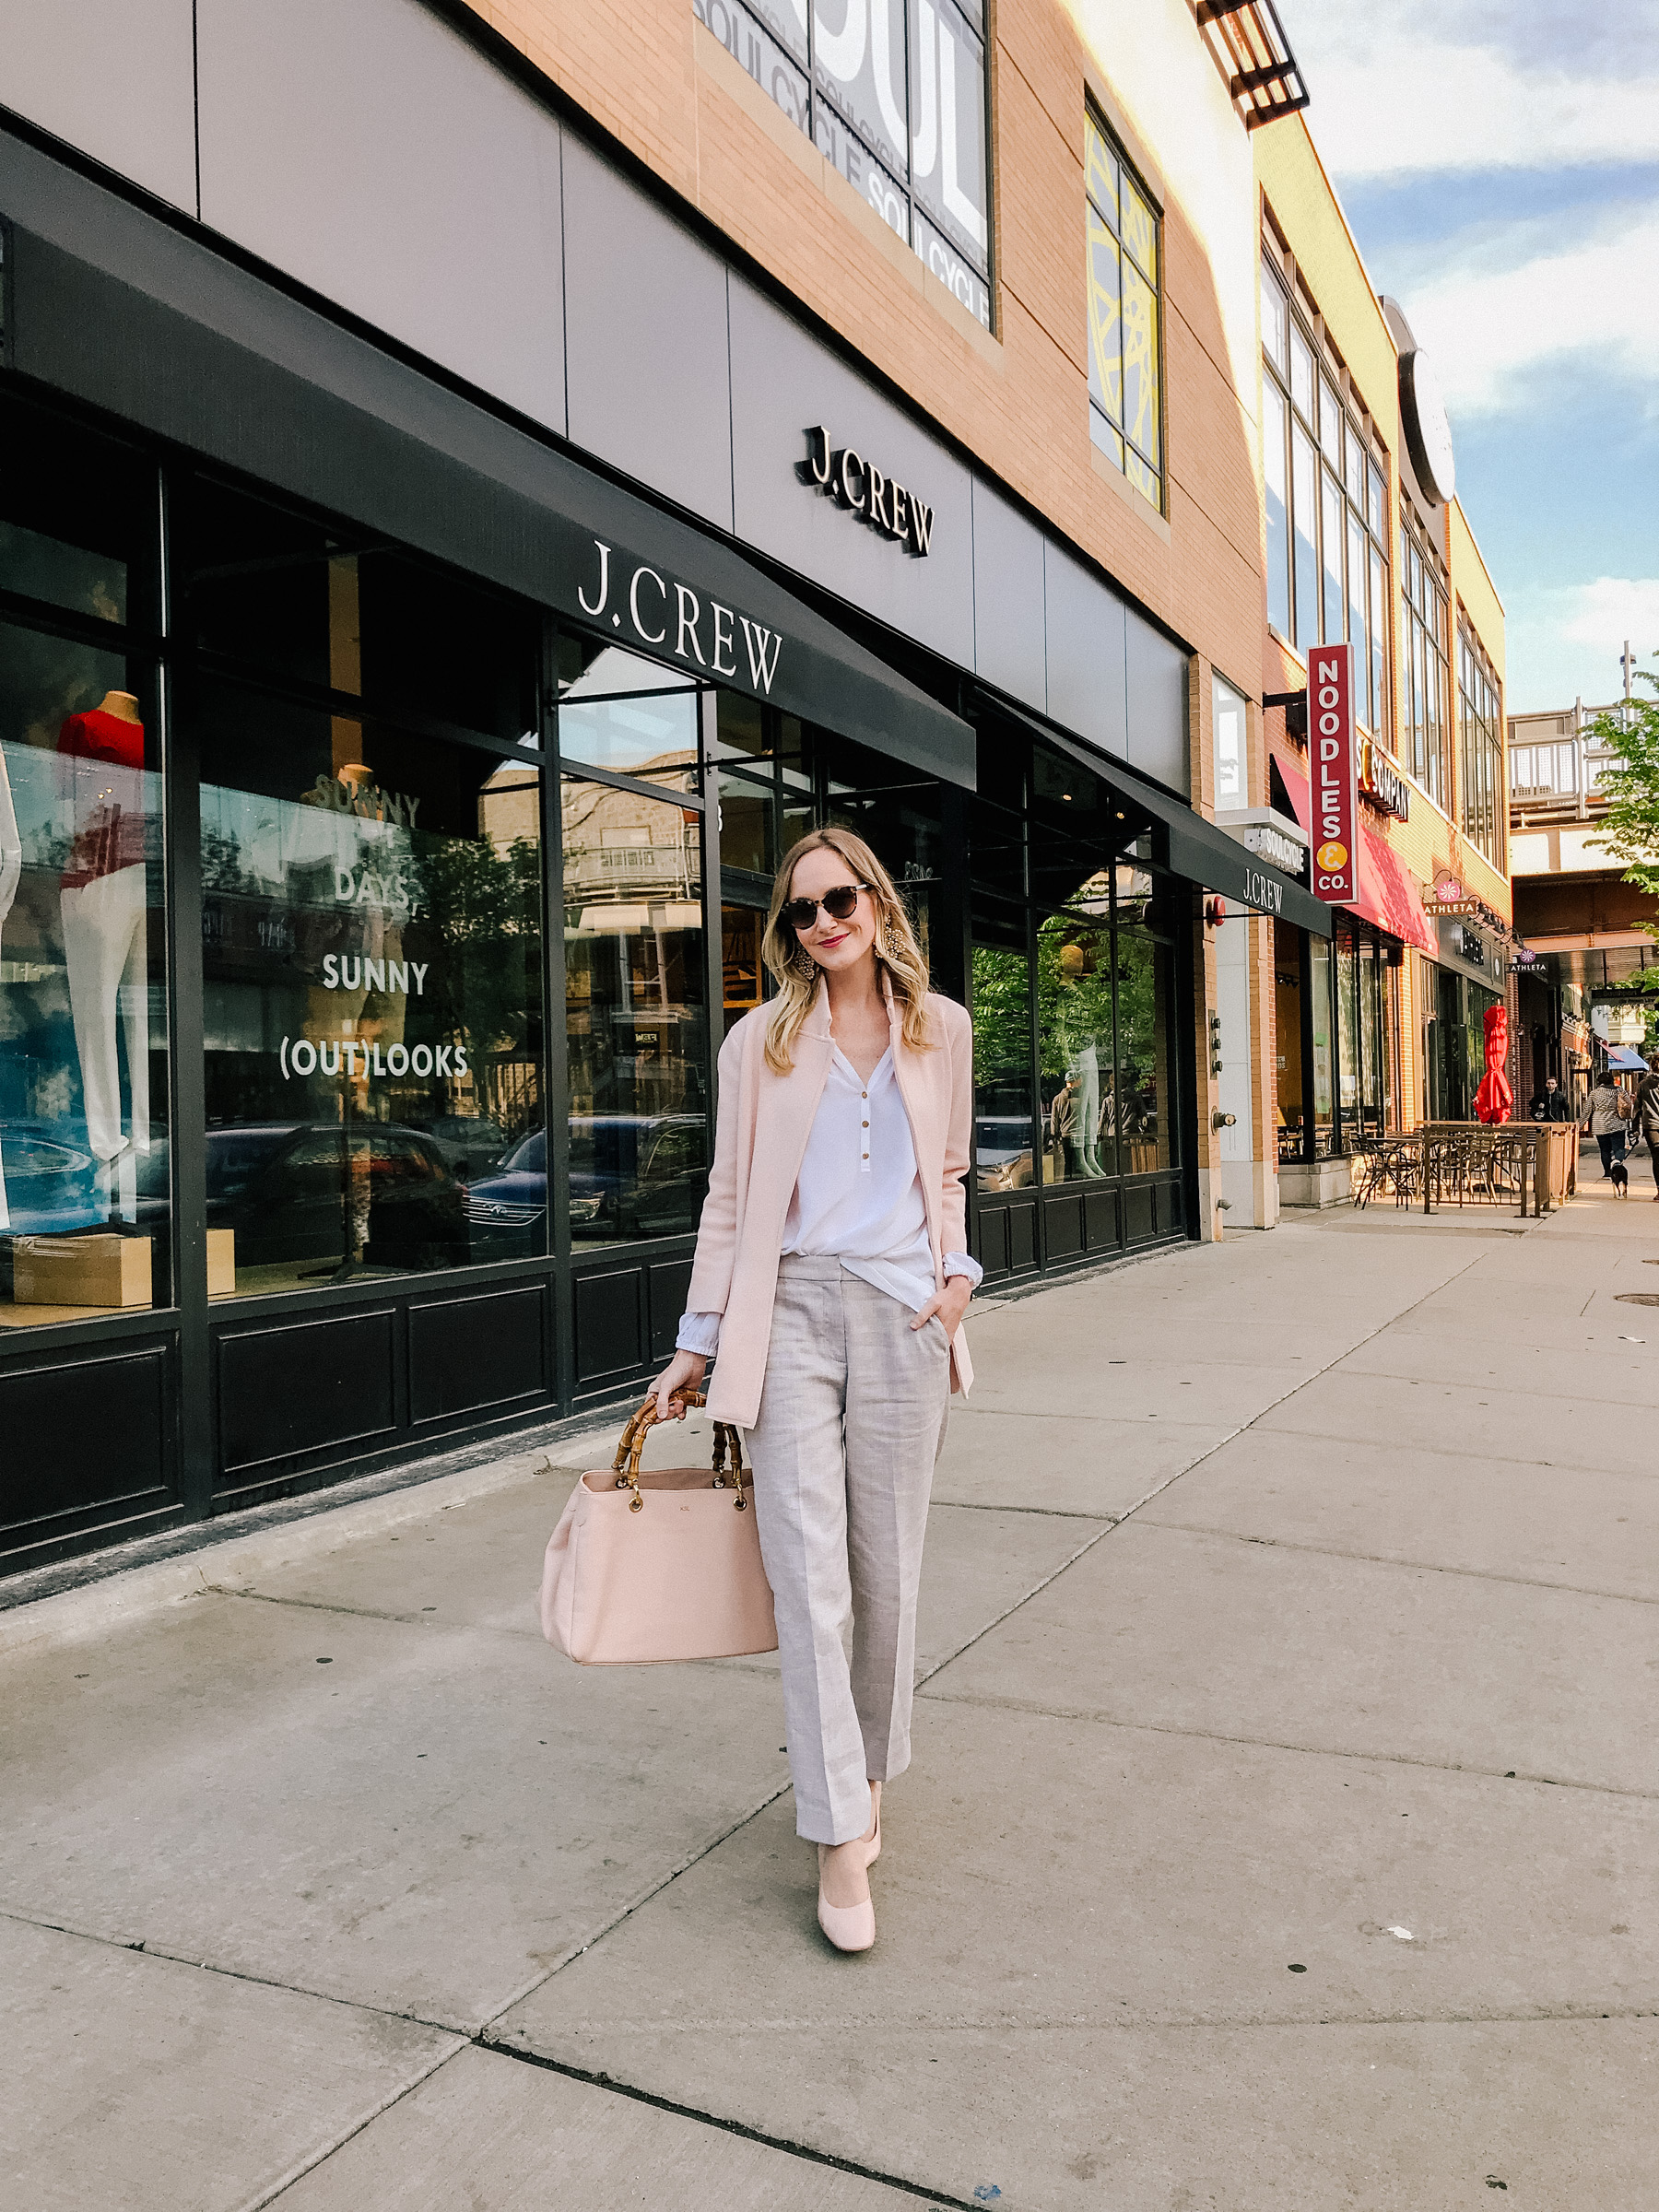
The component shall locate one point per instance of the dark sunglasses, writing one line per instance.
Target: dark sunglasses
(801, 913)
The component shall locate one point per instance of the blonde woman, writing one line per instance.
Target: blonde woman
(831, 1276)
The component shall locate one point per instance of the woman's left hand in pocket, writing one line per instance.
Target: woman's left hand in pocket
(947, 1305)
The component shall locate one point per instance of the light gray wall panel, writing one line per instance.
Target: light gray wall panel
(370, 151)
(646, 346)
(1084, 624)
(1157, 705)
(113, 77)
(783, 381)
(1008, 640)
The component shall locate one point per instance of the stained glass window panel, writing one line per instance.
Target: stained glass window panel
(1108, 441)
(1140, 363)
(1140, 231)
(1105, 332)
(1101, 176)
(1145, 480)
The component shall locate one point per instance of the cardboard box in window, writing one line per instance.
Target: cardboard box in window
(221, 1263)
(81, 1271)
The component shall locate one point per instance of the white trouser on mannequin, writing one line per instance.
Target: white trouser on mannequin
(108, 962)
(851, 1418)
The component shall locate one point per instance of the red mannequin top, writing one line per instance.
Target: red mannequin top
(107, 793)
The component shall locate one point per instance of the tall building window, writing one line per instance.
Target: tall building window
(1481, 745)
(1425, 720)
(1326, 494)
(895, 96)
(1125, 385)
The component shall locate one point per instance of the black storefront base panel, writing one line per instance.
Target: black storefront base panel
(297, 1393)
(114, 1467)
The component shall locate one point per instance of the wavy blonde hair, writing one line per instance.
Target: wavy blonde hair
(797, 973)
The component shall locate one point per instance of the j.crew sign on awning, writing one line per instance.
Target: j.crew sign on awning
(890, 507)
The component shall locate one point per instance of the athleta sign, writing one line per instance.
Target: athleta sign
(1336, 779)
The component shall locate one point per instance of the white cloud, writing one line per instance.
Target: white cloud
(1488, 328)
(1563, 642)
(1396, 89)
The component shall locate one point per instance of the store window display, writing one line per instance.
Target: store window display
(84, 1210)
(636, 1014)
(372, 967)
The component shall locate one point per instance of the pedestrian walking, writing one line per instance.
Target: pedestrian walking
(1607, 1118)
(832, 1276)
(1551, 1103)
(1645, 1117)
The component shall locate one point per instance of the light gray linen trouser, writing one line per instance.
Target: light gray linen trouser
(851, 1418)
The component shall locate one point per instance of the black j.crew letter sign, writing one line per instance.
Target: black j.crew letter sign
(867, 491)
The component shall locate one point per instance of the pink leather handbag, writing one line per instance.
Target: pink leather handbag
(647, 1566)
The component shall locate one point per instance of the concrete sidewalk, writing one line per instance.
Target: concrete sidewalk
(1283, 1830)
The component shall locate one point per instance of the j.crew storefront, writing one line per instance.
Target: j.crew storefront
(387, 810)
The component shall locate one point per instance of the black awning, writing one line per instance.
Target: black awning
(1198, 850)
(201, 351)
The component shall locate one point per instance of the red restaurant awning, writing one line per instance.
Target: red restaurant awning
(1388, 895)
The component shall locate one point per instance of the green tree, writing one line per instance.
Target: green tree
(1629, 830)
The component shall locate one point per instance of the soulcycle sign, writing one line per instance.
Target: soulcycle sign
(1335, 773)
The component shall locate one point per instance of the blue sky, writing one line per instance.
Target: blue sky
(1499, 164)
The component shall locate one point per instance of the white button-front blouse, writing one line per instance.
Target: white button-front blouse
(858, 1197)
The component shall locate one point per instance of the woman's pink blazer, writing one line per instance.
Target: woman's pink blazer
(760, 1139)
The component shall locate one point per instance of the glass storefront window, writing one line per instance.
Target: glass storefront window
(1146, 1094)
(1319, 992)
(747, 810)
(1080, 1096)
(636, 1014)
(371, 996)
(79, 520)
(744, 976)
(302, 601)
(1287, 1053)
(1002, 1051)
(627, 714)
(85, 1207)
(1348, 1032)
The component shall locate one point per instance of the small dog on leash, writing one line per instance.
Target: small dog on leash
(1620, 1176)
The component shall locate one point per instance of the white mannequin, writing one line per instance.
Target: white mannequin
(11, 869)
(105, 949)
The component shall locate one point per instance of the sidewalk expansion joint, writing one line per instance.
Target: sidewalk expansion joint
(319, 1605)
(988, 1701)
(149, 1948)
(1374, 1558)
(599, 2080)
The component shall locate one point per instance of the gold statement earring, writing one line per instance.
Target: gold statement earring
(891, 938)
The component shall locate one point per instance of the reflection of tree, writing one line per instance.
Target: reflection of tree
(1074, 991)
(221, 862)
(1002, 1021)
(484, 910)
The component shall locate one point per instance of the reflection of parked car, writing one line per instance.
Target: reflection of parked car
(1002, 1145)
(632, 1175)
(52, 1178)
(470, 1144)
(282, 1187)
(506, 1210)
